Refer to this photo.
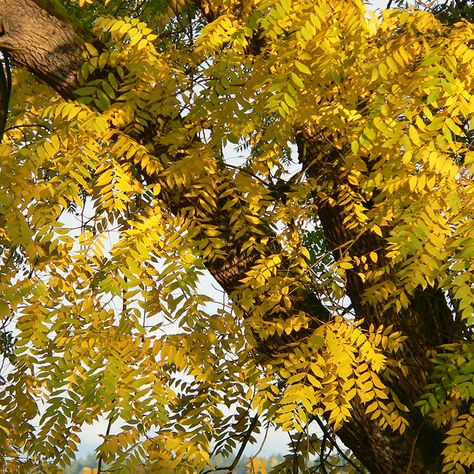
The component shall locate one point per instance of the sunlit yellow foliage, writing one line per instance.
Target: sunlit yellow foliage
(100, 265)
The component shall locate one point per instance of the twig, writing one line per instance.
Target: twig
(107, 433)
(241, 449)
(413, 446)
(322, 455)
(338, 449)
(5, 92)
(13, 127)
(262, 443)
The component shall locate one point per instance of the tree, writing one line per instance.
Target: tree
(77, 466)
(350, 285)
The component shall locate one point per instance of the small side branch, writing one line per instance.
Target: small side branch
(107, 433)
(237, 458)
(5, 92)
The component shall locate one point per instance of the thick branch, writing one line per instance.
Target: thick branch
(42, 43)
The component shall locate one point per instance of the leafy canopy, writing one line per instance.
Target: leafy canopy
(113, 204)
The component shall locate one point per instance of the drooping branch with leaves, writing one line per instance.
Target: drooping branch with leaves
(348, 288)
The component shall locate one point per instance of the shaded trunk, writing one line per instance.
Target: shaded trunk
(50, 48)
(427, 323)
(418, 450)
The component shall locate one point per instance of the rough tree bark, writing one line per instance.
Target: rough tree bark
(427, 323)
(52, 49)
(41, 42)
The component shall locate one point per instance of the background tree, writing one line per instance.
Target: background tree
(350, 284)
(77, 466)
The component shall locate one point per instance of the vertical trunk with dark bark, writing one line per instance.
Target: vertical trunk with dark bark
(427, 323)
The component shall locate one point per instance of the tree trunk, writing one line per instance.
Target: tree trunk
(52, 49)
(427, 323)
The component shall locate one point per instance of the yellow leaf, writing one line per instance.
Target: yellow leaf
(91, 49)
(302, 67)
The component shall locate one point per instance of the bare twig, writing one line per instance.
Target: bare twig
(325, 430)
(5, 92)
(241, 449)
(107, 433)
